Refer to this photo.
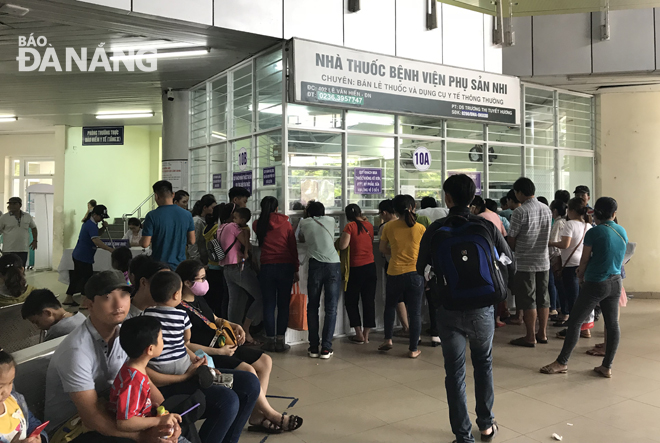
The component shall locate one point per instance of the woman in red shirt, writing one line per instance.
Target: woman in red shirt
(279, 270)
(359, 235)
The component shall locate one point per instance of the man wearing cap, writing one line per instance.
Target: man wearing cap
(15, 228)
(83, 254)
(86, 363)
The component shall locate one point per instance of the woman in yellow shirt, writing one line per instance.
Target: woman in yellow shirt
(400, 239)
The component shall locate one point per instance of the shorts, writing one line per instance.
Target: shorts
(531, 290)
(243, 354)
(176, 367)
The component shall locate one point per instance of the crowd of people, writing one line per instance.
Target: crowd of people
(178, 328)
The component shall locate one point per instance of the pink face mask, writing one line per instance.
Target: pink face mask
(200, 288)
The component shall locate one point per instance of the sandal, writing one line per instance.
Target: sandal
(541, 341)
(489, 437)
(355, 340)
(522, 342)
(560, 323)
(266, 426)
(295, 422)
(600, 372)
(596, 352)
(385, 348)
(548, 369)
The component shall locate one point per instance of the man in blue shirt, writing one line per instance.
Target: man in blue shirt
(167, 228)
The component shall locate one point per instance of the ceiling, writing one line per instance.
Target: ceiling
(523, 8)
(42, 99)
(602, 84)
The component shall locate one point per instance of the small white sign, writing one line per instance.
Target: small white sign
(242, 159)
(422, 159)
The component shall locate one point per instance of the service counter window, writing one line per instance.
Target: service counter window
(574, 116)
(370, 170)
(299, 116)
(218, 169)
(539, 117)
(315, 166)
(369, 122)
(219, 110)
(198, 173)
(463, 129)
(467, 158)
(269, 90)
(242, 168)
(540, 168)
(504, 168)
(268, 168)
(503, 134)
(428, 126)
(424, 179)
(242, 101)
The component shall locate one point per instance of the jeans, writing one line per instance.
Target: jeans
(456, 329)
(227, 410)
(571, 287)
(607, 293)
(239, 282)
(552, 289)
(433, 299)
(276, 282)
(362, 280)
(78, 278)
(322, 276)
(410, 287)
(218, 296)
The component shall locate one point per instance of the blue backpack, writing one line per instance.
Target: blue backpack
(467, 265)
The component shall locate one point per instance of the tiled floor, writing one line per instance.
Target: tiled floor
(363, 396)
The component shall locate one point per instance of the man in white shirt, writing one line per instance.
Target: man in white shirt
(14, 227)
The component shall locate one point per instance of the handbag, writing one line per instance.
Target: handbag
(298, 309)
(572, 253)
(215, 250)
(224, 335)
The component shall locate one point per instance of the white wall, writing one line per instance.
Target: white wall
(393, 27)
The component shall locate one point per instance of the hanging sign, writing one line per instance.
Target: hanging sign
(102, 135)
(243, 180)
(217, 181)
(269, 176)
(368, 181)
(474, 175)
(242, 159)
(422, 159)
(352, 79)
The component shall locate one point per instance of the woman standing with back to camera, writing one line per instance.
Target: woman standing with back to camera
(403, 237)
(279, 270)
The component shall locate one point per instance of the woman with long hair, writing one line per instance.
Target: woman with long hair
(362, 278)
(279, 270)
(400, 239)
(600, 270)
(217, 298)
(202, 209)
(205, 324)
(15, 288)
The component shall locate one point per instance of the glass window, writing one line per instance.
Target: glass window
(198, 177)
(219, 110)
(574, 121)
(269, 90)
(242, 162)
(17, 168)
(420, 126)
(504, 169)
(198, 135)
(575, 171)
(33, 167)
(504, 134)
(540, 168)
(369, 121)
(242, 104)
(467, 159)
(269, 160)
(313, 117)
(420, 183)
(461, 129)
(314, 169)
(376, 154)
(539, 117)
(218, 171)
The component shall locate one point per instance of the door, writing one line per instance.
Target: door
(575, 169)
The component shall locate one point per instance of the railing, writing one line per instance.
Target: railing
(149, 201)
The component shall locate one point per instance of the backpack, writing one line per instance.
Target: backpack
(467, 265)
(214, 248)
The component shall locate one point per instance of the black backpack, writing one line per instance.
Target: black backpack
(466, 265)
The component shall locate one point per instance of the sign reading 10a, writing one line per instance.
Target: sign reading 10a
(242, 159)
(422, 159)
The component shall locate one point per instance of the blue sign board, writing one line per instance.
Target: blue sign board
(243, 180)
(217, 181)
(269, 176)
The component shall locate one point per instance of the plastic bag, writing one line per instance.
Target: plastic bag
(298, 309)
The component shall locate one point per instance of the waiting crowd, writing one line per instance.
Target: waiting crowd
(168, 339)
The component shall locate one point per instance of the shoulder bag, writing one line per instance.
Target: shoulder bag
(561, 270)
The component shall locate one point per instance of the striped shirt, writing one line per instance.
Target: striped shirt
(530, 226)
(130, 395)
(173, 323)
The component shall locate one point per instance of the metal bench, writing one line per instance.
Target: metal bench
(17, 333)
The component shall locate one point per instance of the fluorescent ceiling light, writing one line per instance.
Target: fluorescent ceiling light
(154, 45)
(182, 52)
(219, 135)
(115, 115)
(8, 118)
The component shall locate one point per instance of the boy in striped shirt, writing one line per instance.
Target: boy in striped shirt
(176, 358)
(131, 396)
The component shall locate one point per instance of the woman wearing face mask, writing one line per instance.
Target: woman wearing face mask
(204, 326)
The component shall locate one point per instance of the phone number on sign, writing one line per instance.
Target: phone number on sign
(338, 98)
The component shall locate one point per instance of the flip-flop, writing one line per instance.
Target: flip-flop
(355, 341)
(550, 370)
(522, 342)
(385, 348)
(295, 422)
(489, 437)
(601, 373)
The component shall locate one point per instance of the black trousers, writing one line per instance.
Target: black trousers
(362, 280)
(218, 295)
(78, 278)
